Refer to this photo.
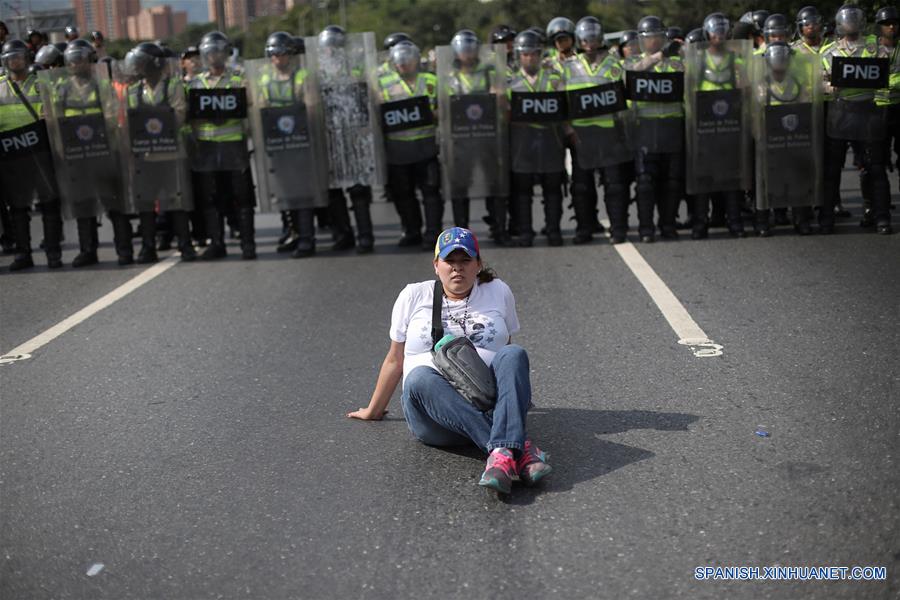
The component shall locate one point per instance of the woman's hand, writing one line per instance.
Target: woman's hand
(367, 414)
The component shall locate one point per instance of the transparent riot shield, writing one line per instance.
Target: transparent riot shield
(717, 117)
(217, 113)
(288, 130)
(472, 123)
(656, 92)
(348, 85)
(601, 120)
(79, 105)
(787, 130)
(154, 138)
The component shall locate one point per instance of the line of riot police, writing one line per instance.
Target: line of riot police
(701, 118)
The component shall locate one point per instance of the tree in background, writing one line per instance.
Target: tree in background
(433, 22)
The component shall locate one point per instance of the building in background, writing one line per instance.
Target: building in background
(108, 16)
(50, 22)
(157, 22)
(240, 13)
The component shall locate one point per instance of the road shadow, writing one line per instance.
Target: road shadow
(577, 453)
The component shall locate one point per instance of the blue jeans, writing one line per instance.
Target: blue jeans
(439, 416)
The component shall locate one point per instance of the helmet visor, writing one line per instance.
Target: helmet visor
(850, 20)
(652, 42)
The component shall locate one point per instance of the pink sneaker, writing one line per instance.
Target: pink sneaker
(499, 471)
(532, 464)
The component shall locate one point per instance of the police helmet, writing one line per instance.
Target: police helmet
(778, 55)
(560, 26)
(588, 29)
(299, 45)
(405, 53)
(502, 34)
(776, 24)
(15, 49)
(190, 52)
(887, 13)
(279, 43)
(49, 56)
(214, 48)
(694, 36)
(675, 33)
(79, 52)
(392, 39)
(465, 41)
(146, 59)
(527, 41)
(716, 24)
(333, 36)
(849, 20)
(71, 32)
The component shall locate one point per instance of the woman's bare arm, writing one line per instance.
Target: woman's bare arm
(388, 378)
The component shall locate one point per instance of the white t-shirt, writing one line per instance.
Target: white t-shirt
(490, 322)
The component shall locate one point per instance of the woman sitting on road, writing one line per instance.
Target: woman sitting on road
(481, 307)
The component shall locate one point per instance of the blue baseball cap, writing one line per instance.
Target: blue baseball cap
(456, 238)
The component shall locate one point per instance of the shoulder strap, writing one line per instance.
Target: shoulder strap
(23, 99)
(437, 328)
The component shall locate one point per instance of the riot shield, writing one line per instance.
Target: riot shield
(154, 142)
(717, 117)
(217, 112)
(787, 131)
(79, 106)
(536, 139)
(857, 117)
(347, 85)
(656, 96)
(288, 132)
(602, 123)
(472, 123)
(26, 161)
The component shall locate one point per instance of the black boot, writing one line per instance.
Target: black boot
(434, 213)
(215, 229)
(525, 224)
(584, 215)
(53, 234)
(290, 237)
(87, 235)
(364, 229)
(122, 238)
(167, 235)
(341, 230)
(147, 253)
(306, 233)
(21, 222)
(461, 212)
(178, 220)
(248, 233)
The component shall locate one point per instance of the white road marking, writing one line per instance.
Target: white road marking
(24, 351)
(688, 332)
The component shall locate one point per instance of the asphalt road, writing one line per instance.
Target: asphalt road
(191, 437)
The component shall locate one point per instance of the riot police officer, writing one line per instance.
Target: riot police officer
(629, 45)
(598, 141)
(158, 177)
(560, 33)
(221, 162)
(659, 164)
(809, 31)
(412, 153)
(854, 116)
(29, 173)
(721, 69)
(342, 77)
